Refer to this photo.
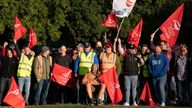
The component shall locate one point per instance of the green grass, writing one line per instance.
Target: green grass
(88, 106)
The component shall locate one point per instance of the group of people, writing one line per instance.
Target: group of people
(166, 70)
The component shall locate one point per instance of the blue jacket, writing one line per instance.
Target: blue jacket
(158, 65)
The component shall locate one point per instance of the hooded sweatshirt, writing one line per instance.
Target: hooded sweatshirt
(158, 65)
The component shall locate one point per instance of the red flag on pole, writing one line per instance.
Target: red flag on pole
(32, 38)
(135, 34)
(14, 97)
(110, 79)
(19, 29)
(146, 95)
(61, 74)
(171, 26)
(110, 21)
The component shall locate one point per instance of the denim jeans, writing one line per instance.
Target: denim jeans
(131, 84)
(159, 87)
(42, 92)
(183, 90)
(5, 84)
(25, 82)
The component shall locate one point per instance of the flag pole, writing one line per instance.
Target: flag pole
(156, 30)
(120, 27)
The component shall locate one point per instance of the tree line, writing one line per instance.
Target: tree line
(73, 21)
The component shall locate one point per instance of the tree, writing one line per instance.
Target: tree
(72, 21)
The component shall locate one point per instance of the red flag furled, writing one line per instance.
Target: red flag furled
(146, 95)
(135, 34)
(14, 97)
(19, 29)
(110, 21)
(61, 74)
(171, 26)
(110, 79)
(32, 38)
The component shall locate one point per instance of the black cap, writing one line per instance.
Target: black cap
(87, 45)
(131, 46)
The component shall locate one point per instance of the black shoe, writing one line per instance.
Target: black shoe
(99, 102)
(91, 101)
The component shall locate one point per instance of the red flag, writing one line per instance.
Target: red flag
(110, 21)
(32, 38)
(135, 34)
(110, 79)
(19, 29)
(14, 97)
(146, 95)
(171, 26)
(61, 74)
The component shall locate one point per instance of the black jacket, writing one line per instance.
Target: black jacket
(130, 64)
(8, 67)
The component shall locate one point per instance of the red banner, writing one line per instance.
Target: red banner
(19, 29)
(171, 26)
(14, 97)
(32, 38)
(110, 79)
(61, 74)
(135, 34)
(110, 21)
(146, 95)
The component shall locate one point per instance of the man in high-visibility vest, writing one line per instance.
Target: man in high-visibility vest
(108, 60)
(24, 70)
(83, 65)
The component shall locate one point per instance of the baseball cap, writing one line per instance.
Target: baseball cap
(87, 45)
(131, 46)
(109, 45)
(45, 48)
(80, 45)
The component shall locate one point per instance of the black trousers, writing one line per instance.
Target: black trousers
(81, 91)
(5, 84)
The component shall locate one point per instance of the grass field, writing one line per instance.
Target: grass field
(88, 106)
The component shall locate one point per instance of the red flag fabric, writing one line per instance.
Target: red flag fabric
(135, 34)
(14, 97)
(61, 74)
(146, 95)
(110, 79)
(19, 29)
(110, 21)
(32, 38)
(171, 26)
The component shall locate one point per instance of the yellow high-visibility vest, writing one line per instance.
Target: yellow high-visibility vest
(25, 66)
(86, 61)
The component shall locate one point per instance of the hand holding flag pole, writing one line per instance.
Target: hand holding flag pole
(153, 34)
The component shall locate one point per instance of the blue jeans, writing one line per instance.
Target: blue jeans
(182, 90)
(131, 84)
(25, 82)
(42, 91)
(159, 87)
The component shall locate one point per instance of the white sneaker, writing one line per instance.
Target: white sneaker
(126, 104)
(135, 104)
(162, 104)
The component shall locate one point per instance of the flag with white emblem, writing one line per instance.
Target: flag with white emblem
(122, 8)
